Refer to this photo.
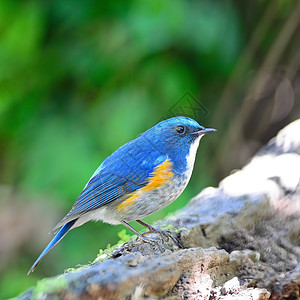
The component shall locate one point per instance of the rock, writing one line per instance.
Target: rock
(232, 290)
(238, 241)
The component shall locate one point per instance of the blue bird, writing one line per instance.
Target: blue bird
(138, 179)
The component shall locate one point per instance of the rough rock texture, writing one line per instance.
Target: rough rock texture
(238, 241)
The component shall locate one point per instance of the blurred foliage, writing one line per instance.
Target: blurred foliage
(80, 78)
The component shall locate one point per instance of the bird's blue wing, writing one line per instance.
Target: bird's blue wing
(125, 171)
(102, 189)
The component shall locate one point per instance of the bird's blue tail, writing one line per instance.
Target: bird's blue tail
(62, 232)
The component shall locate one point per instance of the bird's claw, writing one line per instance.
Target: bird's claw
(158, 245)
(165, 233)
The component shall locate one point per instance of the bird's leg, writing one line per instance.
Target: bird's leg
(151, 229)
(152, 242)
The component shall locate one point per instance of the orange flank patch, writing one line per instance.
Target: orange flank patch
(128, 202)
(158, 177)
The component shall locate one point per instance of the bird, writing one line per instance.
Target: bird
(139, 178)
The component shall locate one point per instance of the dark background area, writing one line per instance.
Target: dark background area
(80, 78)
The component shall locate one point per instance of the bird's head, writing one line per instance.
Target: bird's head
(177, 137)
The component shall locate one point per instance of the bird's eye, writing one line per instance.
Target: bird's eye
(180, 129)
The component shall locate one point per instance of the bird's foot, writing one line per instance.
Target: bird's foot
(155, 242)
(164, 233)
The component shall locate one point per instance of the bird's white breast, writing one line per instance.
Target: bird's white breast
(190, 158)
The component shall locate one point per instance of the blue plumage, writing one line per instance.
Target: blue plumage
(63, 231)
(114, 181)
(139, 178)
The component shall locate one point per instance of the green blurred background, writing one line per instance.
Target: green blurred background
(80, 78)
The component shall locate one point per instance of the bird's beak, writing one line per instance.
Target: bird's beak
(204, 131)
